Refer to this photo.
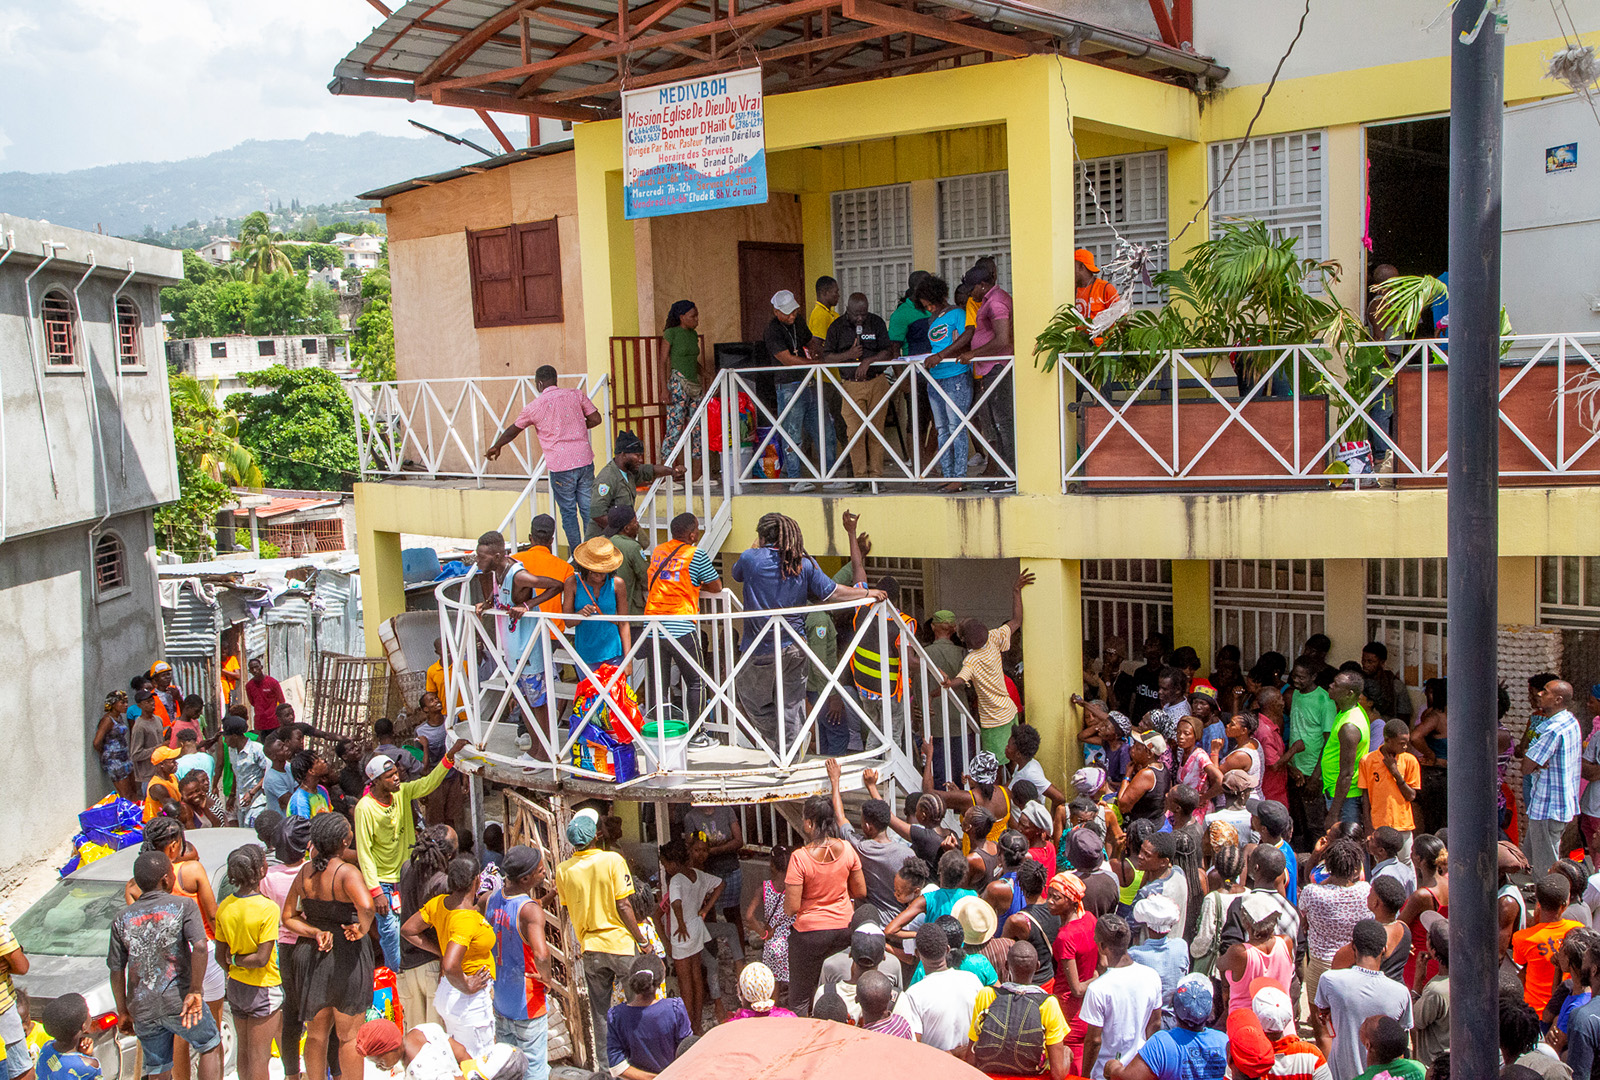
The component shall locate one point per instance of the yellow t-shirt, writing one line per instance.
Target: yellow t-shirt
(243, 923)
(589, 885)
(462, 926)
(1050, 1014)
(8, 944)
(822, 316)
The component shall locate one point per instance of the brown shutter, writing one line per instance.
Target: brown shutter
(539, 246)
(491, 256)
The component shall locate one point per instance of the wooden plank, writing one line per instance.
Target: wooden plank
(709, 67)
(456, 54)
(478, 99)
(939, 29)
(494, 129)
(383, 10)
(582, 45)
(878, 68)
(607, 52)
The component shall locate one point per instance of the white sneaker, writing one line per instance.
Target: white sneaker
(838, 485)
(802, 487)
(524, 741)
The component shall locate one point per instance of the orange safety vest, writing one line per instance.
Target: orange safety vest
(866, 666)
(671, 591)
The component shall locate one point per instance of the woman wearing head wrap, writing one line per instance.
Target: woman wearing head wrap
(758, 991)
(983, 789)
(1164, 724)
(690, 373)
(430, 1054)
(111, 743)
(1076, 956)
(1039, 827)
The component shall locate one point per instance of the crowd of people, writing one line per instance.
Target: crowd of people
(1246, 875)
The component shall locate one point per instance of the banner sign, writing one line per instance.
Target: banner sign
(694, 145)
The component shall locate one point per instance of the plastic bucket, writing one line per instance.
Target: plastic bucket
(674, 734)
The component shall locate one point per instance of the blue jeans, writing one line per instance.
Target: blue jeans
(572, 491)
(532, 1038)
(1381, 412)
(802, 420)
(155, 1039)
(953, 460)
(388, 923)
(1350, 812)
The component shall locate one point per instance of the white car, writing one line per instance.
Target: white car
(67, 934)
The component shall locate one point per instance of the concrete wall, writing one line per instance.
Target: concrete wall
(71, 648)
(434, 334)
(52, 455)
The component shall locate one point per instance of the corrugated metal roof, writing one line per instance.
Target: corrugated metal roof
(279, 507)
(190, 628)
(527, 154)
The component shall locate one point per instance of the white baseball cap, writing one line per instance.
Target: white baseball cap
(380, 764)
(785, 302)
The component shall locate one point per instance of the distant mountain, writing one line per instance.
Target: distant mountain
(321, 168)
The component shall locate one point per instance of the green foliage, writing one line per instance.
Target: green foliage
(302, 429)
(372, 345)
(269, 550)
(315, 223)
(216, 301)
(308, 256)
(211, 462)
(260, 249)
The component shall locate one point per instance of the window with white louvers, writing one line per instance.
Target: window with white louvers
(1126, 195)
(974, 221)
(872, 244)
(1278, 180)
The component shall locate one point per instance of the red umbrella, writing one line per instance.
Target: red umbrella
(785, 1048)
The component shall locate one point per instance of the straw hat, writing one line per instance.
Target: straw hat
(598, 555)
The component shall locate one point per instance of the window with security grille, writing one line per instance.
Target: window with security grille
(128, 333)
(1407, 608)
(974, 221)
(1124, 195)
(872, 244)
(56, 312)
(110, 564)
(1266, 605)
(1569, 591)
(1278, 180)
(1125, 598)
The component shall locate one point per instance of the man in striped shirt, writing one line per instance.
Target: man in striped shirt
(1554, 760)
(679, 572)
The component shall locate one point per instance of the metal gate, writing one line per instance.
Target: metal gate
(1406, 610)
(1126, 598)
(1266, 605)
(350, 693)
(639, 391)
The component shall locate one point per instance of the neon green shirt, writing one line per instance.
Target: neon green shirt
(1356, 715)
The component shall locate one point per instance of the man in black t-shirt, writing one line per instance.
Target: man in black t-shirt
(790, 344)
(859, 340)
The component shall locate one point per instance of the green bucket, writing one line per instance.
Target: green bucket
(675, 754)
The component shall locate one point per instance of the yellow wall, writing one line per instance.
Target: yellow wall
(433, 328)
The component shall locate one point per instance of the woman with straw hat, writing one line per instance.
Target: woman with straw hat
(597, 590)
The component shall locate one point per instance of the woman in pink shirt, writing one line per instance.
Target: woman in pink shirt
(823, 877)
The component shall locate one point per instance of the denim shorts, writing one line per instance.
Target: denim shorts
(15, 1057)
(155, 1039)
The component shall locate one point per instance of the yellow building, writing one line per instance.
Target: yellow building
(901, 138)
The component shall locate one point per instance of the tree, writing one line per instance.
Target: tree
(211, 462)
(260, 248)
(302, 429)
(372, 346)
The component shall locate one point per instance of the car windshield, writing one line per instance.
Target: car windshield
(72, 919)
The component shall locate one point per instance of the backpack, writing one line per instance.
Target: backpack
(1011, 1035)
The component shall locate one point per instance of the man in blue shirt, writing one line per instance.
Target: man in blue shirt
(1190, 1051)
(778, 574)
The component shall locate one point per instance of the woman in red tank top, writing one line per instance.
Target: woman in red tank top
(1432, 863)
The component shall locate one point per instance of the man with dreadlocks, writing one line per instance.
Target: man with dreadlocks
(777, 573)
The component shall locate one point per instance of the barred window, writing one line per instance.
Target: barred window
(58, 316)
(128, 333)
(110, 564)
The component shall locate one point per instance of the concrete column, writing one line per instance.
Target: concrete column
(1040, 166)
(1344, 157)
(1519, 591)
(1191, 607)
(383, 582)
(1187, 187)
(1344, 612)
(924, 224)
(816, 233)
(1052, 657)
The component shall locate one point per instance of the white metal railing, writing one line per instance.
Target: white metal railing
(441, 427)
(486, 683)
(1191, 422)
(777, 424)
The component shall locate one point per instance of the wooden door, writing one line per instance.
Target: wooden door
(765, 269)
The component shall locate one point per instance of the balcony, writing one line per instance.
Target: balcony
(1276, 418)
(439, 428)
(723, 756)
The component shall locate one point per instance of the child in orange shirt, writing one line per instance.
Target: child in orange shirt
(1391, 776)
(1534, 949)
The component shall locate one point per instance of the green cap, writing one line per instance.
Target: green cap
(943, 615)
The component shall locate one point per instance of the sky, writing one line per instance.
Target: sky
(99, 82)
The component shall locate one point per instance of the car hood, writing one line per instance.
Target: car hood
(49, 977)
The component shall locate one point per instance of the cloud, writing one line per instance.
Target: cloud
(96, 82)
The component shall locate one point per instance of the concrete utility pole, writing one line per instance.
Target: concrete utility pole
(1477, 105)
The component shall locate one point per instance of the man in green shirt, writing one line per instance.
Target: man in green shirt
(1346, 745)
(1311, 715)
(385, 835)
(618, 483)
(622, 529)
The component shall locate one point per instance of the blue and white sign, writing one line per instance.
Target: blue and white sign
(694, 145)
